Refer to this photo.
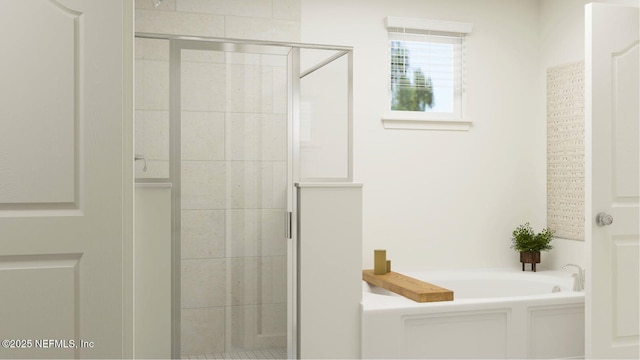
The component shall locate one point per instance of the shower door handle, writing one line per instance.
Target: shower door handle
(288, 215)
(141, 157)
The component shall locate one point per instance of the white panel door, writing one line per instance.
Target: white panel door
(65, 164)
(612, 181)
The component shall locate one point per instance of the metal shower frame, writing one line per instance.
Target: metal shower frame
(292, 51)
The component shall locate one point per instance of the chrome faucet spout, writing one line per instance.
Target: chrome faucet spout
(578, 278)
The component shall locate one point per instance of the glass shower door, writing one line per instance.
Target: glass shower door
(233, 193)
(229, 126)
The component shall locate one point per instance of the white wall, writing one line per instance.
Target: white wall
(446, 199)
(562, 42)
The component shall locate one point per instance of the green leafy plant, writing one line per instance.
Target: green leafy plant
(525, 239)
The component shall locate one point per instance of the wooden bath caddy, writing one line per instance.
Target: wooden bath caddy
(409, 287)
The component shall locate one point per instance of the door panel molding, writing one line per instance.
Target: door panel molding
(47, 286)
(625, 289)
(626, 151)
(41, 143)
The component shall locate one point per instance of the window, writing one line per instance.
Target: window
(426, 74)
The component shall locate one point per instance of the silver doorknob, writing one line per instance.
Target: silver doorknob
(604, 219)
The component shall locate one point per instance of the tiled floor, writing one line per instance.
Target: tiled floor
(251, 354)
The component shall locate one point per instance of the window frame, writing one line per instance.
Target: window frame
(427, 120)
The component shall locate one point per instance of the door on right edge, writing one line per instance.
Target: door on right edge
(612, 134)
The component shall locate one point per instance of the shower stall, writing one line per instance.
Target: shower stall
(227, 127)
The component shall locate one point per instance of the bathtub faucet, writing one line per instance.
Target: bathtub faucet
(578, 278)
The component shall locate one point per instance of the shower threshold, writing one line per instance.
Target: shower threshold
(279, 353)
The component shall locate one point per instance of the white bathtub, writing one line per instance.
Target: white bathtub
(496, 313)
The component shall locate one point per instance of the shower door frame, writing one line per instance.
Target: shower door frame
(294, 74)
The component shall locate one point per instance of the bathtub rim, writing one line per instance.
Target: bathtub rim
(375, 302)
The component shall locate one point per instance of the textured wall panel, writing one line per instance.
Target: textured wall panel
(565, 150)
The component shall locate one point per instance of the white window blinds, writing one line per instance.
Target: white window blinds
(426, 65)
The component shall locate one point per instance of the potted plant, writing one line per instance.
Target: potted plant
(529, 244)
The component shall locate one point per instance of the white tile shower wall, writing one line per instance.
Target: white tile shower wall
(207, 86)
(204, 185)
(256, 232)
(203, 234)
(233, 139)
(152, 139)
(203, 135)
(277, 20)
(253, 8)
(260, 29)
(258, 136)
(233, 198)
(268, 320)
(255, 280)
(152, 107)
(202, 281)
(201, 333)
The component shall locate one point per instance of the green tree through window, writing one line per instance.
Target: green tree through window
(411, 89)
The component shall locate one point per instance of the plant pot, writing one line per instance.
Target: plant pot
(530, 257)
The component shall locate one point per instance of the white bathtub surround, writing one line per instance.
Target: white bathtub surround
(497, 313)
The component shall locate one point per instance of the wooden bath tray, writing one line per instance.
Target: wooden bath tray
(409, 287)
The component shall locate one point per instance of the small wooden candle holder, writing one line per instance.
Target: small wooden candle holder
(379, 262)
